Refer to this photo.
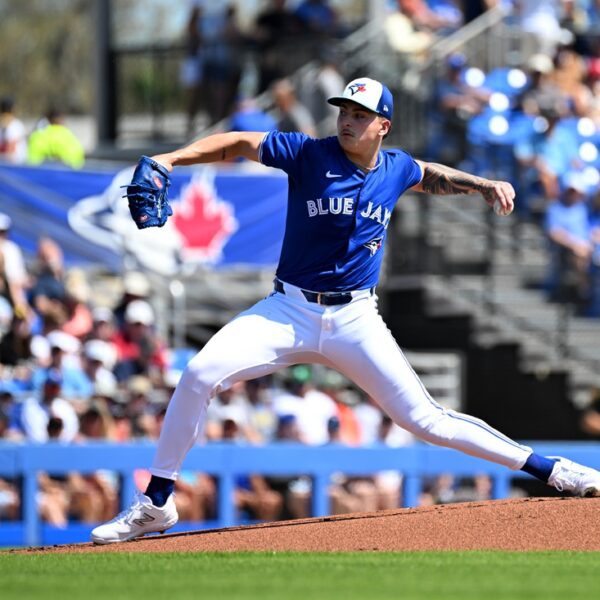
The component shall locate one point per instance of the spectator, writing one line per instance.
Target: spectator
(552, 154)
(336, 387)
(14, 274)
(140, 408)
(233, 405)
(310, 408)
(77, 297)
(248, 117)
(13, 138)
(253, 494)
(136, 286)
(98, 359)
(540, 19)
(48, 276)
(291, 114)
(314, 91)
(94, 496)
(349, 494)
(15, 344)
(221, 40)
(10, 503)
(38, 410)
(369, 417)
(262, 416)
(457, 102)
(317, 18)
(64, 358)
(567, 227)
(274, 26)
(139, 351)
(55, 142)
(541, 91)
(569, 74)
(103, 325)
(295, 490)
(389, 483)
(191, 72)
(403, 34)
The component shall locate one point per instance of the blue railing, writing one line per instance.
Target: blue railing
(227, 461)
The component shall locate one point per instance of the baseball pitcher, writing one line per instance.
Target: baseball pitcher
(323, 308)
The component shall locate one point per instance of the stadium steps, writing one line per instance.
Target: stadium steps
(503, 295)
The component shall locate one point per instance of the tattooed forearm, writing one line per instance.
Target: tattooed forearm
(440, 179)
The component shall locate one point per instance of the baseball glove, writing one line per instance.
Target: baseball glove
(148, 194)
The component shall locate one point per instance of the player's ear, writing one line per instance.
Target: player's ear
(385, 126)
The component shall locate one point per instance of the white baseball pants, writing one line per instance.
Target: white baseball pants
(286, 329)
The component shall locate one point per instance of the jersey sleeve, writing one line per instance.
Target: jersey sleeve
(408, 171)
(281, 150)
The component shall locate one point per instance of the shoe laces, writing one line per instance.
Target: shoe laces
(121, 517)
(567, 476)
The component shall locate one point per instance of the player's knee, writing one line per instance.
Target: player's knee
(198, 377)
(434, 426)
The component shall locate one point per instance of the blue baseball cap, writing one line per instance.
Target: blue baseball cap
(371, 94)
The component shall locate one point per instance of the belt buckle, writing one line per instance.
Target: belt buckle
(319, 297)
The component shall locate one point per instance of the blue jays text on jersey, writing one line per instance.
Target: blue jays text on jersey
(337, 215)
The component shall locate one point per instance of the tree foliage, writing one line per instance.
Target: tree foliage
(46, 54)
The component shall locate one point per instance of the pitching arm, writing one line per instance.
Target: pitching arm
(440, 179)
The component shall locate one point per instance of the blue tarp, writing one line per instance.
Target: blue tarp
(223, 216)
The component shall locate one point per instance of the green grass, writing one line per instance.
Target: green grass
(290, 576)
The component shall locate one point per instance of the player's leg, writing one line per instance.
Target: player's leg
(364, 350)
(268, 337)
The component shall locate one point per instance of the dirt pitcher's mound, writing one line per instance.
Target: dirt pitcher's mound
(530, 524)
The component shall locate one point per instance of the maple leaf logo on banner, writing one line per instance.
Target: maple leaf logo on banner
(204, 221)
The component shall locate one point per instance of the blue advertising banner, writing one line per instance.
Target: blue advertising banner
(223, 216)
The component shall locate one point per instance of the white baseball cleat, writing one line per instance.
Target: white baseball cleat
(140, 518)
(569, 476)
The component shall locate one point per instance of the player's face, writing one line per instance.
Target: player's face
(359, 129)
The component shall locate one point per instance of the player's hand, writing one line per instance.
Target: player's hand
(501, 192)
(165, 160)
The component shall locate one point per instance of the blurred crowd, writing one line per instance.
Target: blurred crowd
(283, 37)
(50, 140)
(537, 124)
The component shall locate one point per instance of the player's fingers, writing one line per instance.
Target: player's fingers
(164, 160)
(506, 195)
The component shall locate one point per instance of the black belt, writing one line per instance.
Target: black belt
(325, 298)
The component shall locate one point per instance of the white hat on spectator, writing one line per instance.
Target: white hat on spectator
(106, 389)
(139, 311)
(232, 413)
(575, 181)
(540, 63)
(5, 222)
(63, 341)
(139, 385)
(136, 284)
(103, 314)
(101, 351)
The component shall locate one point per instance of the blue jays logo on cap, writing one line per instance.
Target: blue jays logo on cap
(357, 87)
(371, 94)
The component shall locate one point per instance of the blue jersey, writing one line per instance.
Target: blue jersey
(337, 215)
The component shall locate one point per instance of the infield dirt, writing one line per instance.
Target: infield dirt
(524, 524)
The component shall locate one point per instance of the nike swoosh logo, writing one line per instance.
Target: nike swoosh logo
(331, 175)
